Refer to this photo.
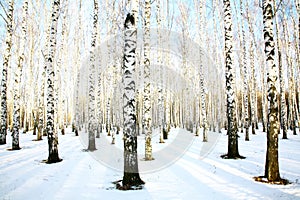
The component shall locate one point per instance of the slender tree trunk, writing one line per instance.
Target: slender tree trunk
(272, 165)
(201, 11)
(17, 85)
(159, 61)
(147, 87)
(92, 127)
(78, 65)
(51, 132)
(245, 76)
(131, 172)
(281, 81)
(233, 151)
(6, 63)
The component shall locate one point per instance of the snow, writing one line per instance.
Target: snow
(191, 175)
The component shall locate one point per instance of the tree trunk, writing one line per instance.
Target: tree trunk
(245, 76)
(131, 172)
(281, 81)
(92, 127)
(233, 152)
(272, 165)
(147, 87)
(6, 63)
(51, 132)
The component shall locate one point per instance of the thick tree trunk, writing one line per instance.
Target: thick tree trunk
(272, 165)
(51, 132)
(131, 172)
(233, 151)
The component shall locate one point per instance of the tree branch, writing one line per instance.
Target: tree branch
(3, 9)
(4, 18)
(277, 8)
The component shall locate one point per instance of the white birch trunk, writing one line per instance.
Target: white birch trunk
(131, 172)
(92, 128)
(245, 76)
(147, 86)
(17, 85)
(50, 58)
(230, 85)
(6, 64)
(272, 166)
(281, 81)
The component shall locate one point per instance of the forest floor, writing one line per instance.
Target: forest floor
(195, 171)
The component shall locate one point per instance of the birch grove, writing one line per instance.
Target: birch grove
(137, 71)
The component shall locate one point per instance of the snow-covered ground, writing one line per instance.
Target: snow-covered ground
(191, 174)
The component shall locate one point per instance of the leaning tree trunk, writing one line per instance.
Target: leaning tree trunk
(272, 165)
(92, 127)
(131, 172)
(147, 98)
(233, 151)
(51, 132)
(6, 63)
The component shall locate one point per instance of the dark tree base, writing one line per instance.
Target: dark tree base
(35, 140)
(45, 133)
(226, 156)
(263, 179)
(52, 161)
(165, 134)
(148, 159)
(131, 181)
(73, 128)
(14, 149)
(88, 150)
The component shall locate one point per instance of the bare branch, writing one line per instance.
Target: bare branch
(3, 9)
(4, 18)
(277, 8)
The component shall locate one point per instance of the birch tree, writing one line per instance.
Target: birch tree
(202, 86)
(281, 81)
(272, 165)
(51, 132)
(6, 65)
(253, 84)
(147, 86)
(131, 172)
(92, 128)
(159, 60)
(245, 73)
(17, 85)
(78, 64)
(233, 152)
